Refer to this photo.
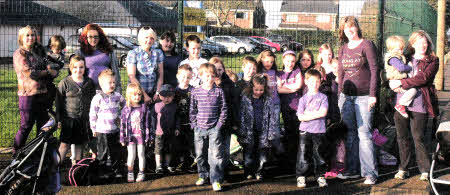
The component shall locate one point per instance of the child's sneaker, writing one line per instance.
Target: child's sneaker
(402, 110)
(200, 181)
(130, 177)
(216, 186)
(370, 180)
(424, 177)
(301, 182)
(259, 176)
(171, 169)
(322, 182)
(249, 176)
(159, 170)
(401, 174)
(140, 177)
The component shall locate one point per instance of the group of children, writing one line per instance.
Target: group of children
(197, 117)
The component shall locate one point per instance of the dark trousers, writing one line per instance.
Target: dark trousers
(108, 145)
(416, 124)
(32, 110)
(255, 156)
(308, 154)
(289, 140)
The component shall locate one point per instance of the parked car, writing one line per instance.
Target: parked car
(258, 45)
(286, 42)
(210, 48)
(120, 43)
(267, 41)
(233, 44)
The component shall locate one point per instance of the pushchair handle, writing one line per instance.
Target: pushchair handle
(51, 125)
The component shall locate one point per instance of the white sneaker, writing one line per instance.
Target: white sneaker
(370, 180)
(200, 181)
(322, 182)
(216, 186)
(140, 177)
(301, 182)
(424, 177)
(130, 177)
(401, 174)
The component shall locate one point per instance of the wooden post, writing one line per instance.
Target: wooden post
(440, 45)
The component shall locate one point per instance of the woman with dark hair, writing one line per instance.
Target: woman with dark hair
(357, 75)
(98, 54)
(33, 75)
(167, 43)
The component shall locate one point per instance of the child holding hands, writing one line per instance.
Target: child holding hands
(134, 130)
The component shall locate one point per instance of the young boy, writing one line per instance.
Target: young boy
(208, 113)
(166, 127)
(396, 69)
(104, 121)
(249, 66)
(194, 46)
(312, 110)
(182, 98)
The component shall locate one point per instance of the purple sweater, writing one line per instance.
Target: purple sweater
(358, 69)
(208, 108)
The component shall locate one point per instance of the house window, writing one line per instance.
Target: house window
(323, 18)
(241, 15)
(291, 18)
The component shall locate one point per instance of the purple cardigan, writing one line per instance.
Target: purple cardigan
(125, 128)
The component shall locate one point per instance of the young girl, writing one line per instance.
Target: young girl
(328, 85)
(324, 59)
(258, 127)
(171, 58)
(134, 130)
(289, 83)
(73, 99)
(305, 61)
(267, 65)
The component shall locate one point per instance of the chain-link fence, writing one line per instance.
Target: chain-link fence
(230, 29)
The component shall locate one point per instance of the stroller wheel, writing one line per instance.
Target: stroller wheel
(20, 186)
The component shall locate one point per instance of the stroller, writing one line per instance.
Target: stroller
(441, 155)
(35, 166)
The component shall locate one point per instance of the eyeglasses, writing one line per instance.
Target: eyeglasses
(93, 37)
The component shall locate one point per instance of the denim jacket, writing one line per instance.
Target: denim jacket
(270, 128)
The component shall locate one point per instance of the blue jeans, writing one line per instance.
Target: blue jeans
(359, 146)
(209, 150)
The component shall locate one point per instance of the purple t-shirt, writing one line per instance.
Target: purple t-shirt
(273, 86)
(313, 103)
(96, 63)
(287, 78)
(135, 122)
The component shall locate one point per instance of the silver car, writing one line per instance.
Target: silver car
(233, 44)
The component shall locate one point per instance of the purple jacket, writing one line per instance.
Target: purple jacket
(125, 128)
(427, 69)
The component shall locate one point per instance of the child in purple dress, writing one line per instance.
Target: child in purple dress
(134, 133)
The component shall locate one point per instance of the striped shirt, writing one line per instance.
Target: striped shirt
(105, 112)
(208, 108)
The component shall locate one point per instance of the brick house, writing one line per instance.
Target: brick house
(309, 15)
(240, 13)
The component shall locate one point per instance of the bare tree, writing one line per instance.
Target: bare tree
(223, 9)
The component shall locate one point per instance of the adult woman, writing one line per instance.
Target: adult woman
(32, 77)
(357, 75)
(145, 65)
(171, 59)
(424, 68)
(98, 54)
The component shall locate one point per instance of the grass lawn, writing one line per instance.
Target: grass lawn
(9, 113)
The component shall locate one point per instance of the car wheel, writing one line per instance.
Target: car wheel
(242, 50)
(285, 48)
(273, 49)
(123, 61)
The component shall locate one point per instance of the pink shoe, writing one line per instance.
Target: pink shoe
(402, 110)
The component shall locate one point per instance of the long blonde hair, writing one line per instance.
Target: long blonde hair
(132, 89)
(23, 31)
(324, 46)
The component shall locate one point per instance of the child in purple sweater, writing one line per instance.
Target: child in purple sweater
(104, 119)
(208, 113)
(312, 110)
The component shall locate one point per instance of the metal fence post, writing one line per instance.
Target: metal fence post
(180, 26)
(380, 28)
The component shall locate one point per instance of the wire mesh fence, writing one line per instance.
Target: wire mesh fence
(230, 29)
